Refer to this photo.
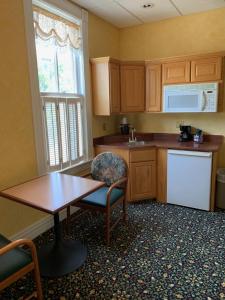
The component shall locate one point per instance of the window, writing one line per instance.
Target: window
(59, 72)
(60, 92)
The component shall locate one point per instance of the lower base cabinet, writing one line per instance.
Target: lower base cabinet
(147, 173)
(142, 180)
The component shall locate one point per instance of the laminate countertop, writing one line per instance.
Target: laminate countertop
(211, 143)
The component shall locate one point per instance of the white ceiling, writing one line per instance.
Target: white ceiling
(124, 13)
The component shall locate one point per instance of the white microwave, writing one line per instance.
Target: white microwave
(202, 97)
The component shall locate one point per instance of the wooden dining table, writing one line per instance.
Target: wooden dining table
(51, 193)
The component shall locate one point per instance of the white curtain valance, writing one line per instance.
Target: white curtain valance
(48, 25)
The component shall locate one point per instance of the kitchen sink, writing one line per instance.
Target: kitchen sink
(136, 143)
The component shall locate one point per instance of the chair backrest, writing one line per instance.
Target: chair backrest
(108, 167)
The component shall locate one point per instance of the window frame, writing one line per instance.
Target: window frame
(63, 8)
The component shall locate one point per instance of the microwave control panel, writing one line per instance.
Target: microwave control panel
(211, 99)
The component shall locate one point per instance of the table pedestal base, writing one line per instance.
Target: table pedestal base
(60, 258)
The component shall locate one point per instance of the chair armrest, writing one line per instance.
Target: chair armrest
(17, 243)
(118, 183)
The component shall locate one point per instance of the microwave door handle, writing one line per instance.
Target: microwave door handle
(204, 100)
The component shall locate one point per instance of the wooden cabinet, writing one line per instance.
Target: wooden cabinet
(132, 82)
(105, 86)
(142, 180)
(124, 87)
(193, 69)
(206, 69)
(176, 72)
(153, 87)
(142, 174)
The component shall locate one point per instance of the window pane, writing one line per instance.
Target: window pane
(47, 68)
(67, 76)
(52, 133)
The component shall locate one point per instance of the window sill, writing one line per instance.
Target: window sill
(80, 169)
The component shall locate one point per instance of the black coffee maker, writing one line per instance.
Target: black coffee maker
(185, 133)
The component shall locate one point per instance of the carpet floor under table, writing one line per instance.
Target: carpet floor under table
(164, 252)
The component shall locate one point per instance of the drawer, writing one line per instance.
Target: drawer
(142, 155)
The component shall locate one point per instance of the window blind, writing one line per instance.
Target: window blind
(63, 130)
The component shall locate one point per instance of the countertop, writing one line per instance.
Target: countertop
(211, 143)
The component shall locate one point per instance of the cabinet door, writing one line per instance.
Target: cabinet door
(206, 69)
(153, 87)
(132, 88)
(143, 180)
(176, 72)
(114, 90)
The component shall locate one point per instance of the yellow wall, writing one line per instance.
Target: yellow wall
(103, 41)
(198, 33)
(17, 150)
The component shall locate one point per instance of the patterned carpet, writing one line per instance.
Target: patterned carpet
(164, 252)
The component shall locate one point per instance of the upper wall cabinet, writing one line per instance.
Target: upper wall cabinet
(176, 72)
(132, 80)
(153, 87)
(192, 69)
(105, 86)
(206, 69)
(123, 86)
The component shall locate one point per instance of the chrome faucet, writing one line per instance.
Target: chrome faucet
(133, 138)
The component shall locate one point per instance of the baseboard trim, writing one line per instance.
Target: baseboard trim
(39, 227)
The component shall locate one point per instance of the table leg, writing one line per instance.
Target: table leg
(61, 257)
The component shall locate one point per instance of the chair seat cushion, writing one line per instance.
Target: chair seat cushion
(12, 261)
(98, 198)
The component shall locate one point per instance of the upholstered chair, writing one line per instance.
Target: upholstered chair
(16, 262)
(112, 169)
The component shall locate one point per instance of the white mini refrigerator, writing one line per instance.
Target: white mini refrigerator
(189, 178)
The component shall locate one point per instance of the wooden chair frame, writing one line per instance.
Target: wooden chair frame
(33, 266)
(121, 183)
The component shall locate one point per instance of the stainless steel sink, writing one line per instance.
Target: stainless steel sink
(136, 143)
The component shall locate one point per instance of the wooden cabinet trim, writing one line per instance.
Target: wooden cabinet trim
(114, 87)
(142, 155)
(106, 59)
(162, 175)
(185, 57)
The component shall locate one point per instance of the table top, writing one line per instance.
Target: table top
(53, 192)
